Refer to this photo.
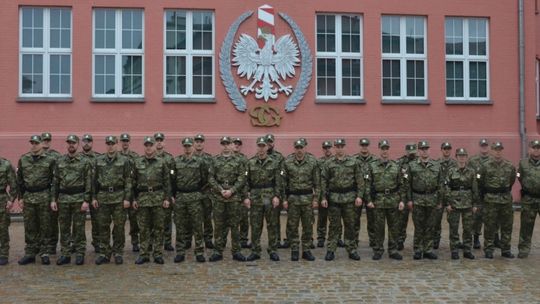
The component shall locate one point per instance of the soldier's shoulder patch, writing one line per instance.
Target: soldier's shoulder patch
(405, 175)
(172, 172)
(366, 176)
(282, 172)
(246, 173)
(518, 174)
(478, 175)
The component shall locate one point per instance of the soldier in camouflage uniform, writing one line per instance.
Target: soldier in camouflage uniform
(71, 196)
(403, 215)
(426, 181)
(529, 178)
(169, 160)
(46, 138)
(386, 192)
(364, 158)
(476, 162)
(208, 229)
(322, 214)
(243, 227)
(272, 152)
(263, 193)
(227, 182)
(134, 230)
(189, 176)
(8, 192)
(342, 189)
(112, 196)
(91, 156)
(34, 179)
(152, 192)
(495, 180)
(446, 162)
(461, 192)
(301, 180)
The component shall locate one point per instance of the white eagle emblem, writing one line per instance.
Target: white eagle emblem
(266, 65)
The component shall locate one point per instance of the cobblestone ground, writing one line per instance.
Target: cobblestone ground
(343, 280)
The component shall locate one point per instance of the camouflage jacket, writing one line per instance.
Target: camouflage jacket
(477, 161)
(72, 182)
(342, 180)
(113, 181)
(151, 181)
(189, 177)
(277, 155)
(7, 181)
(52, 152)
(263, 180)
(495, 181)
(34, 178)
(461, 188)
(529, 178)
(92, 157)
(207, 158)
(302, 178)
(425, 182)
(387, 184)
(227, 173)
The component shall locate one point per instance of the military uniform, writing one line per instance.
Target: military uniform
(134, 230)
(425, 186)
(446, 164)
(189, 177)
(7, 181)
(113, 186)
(461, 194)
(208, 228)
(476, 162)
(496, 179)
(91, 156)
(529, 177)
(302, 188)
(54, 231)
(152, 187)
(342, 183)
(167, 230)
(34, 179)
(243, 226)
(322, 213)
(278, 156)
(403, 215)
(364, 162)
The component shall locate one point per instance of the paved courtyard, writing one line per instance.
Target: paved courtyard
(343, 280)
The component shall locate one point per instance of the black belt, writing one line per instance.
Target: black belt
(262, 186)
(497, 190)
(188, 190)
(343, 190)
(387, 191)
(533, 195)
(72, 191)
(110, 189)
(300, 192)
(149, 189)
(37, 189)
(462, 188)
(424, 192)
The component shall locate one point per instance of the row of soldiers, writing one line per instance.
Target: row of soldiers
(240, 194)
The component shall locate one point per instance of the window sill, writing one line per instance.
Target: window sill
(118, 100)
(406, 101)
(469, 102)
(188, 100)
(45, 99)
(340, 101)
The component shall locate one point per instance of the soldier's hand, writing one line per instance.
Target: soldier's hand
(85, 206)
(401, 206)
(449, 208)
(247, 203)
(439, 206)
(358, 202)
(315, 205)
(410, 205)
(285, 205)
(126, 204)
(275, 202)
(54, 206)
(474, 209)
(135, 205)
(9, 204)
(95, 204)
(324, 203)
(226, 193)
(21, 203)
(370, 205)
(166, 204)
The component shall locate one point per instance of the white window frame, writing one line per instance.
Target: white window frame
(46, 51)
(338, 56)
(403, 57)
(467, 59)
(189, 53)
(118, 52)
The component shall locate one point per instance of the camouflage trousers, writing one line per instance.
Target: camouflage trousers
(402, 222)
(4, 228)
(370, 217)
(423, 218)
(37, 228)
(336, 213)
(260, 212)
(208, 229)
(134, 229)
(498, 215)
(243, 227)
(382, 218)
(115, 214)
(150, 220)
(188, 213)
(167, 229)
(226, 218)
(95, 226)
(322, 224)
(54, 232)
(72, 233)
(478, 221)
(300, 211)
(278, 225)
(437, 224)
(528, 217)
(453, 217)
(358, 211)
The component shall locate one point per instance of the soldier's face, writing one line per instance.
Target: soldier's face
(270, 145)
(149, 149)
(111, 147)
(484, 149)
(384, 152)
(446, 152)
(262, 149)
(534, 152)
(188, 149)
(227, 147)
(299, 152)
(199, 145)
(462, 160)
(423, 153)
(159, 144)
(237, 147)
(327, 151)
(364, 149)
(46, 143)
(72, 147)
(125, 144)
(87, 145)
(497, 153)
(412, 155)
(340, 150)
(36, 147)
